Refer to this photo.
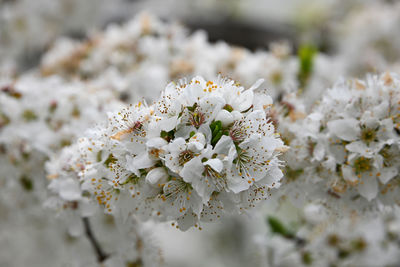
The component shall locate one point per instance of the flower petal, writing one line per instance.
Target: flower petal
(368, 187)
(346, 129)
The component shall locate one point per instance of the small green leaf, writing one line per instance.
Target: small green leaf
(278, 227)
(216, 138)
(167, 136)
(306, 55)
(217, 132)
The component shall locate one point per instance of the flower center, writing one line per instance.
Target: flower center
(196, 118)
(362, 164)
(368, 135)
(185, 156)
(236, 132)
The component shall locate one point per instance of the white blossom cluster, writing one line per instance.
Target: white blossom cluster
(346, 152)
(205, 147)
(38, 117)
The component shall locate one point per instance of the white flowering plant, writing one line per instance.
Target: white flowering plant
(113, 137)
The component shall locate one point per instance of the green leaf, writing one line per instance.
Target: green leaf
(167, 136)
(306, 56)
(216, 138)
(217, 132)
(278, 227)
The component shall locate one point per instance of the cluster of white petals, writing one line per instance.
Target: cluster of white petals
(38, 117)
(204, 148)
(347, 149)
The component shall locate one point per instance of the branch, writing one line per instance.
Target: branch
(101, 255)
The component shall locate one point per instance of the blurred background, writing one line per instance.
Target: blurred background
(28, 27)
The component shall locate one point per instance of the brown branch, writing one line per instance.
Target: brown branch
(101, 255)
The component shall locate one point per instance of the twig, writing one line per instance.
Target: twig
(101, 255)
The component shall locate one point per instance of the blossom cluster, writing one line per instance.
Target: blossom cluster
(205, 147)
(347, 150)
(39, 117)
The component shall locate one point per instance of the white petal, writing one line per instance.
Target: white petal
(168, 124)
(368, 187)
(216, 164)
(192, 170)
(348, 174)
(172, 162)
(381, 110)
(224, 145)
(346, 129)
(256, 84)
(369, 120)
(198, 141)
(141, 161)
(87, 208)
(357, 147)
(156, 175)
(319, 151)
(262, 101)
(387, 174)
(69, 190)
(237, 115)
(192, 173)
(225, 117)
(178, 145)
(237, 184)
(246, 100)
(156, 142)
(187, 221)
(205, 129)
